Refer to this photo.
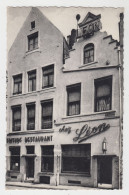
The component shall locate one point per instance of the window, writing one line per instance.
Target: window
(48, 76)
(15, 158)
(76, 158)
(74, 99)
(30, 149)
(103, 94)
(47, 161)
(31, 116)
(47, 112)
(17, 88)
(16, 118)
(88, 53)
(33, 25)
(32, 80)
(33, 41)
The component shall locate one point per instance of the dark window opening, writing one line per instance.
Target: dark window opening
(76, 158)
(103, 94)
(30, 116)
(48, 76)
(74, 99)
(47, 161)
(88, 53)
(17, 89)
(33, 41)
(33, 25)
(47, 114)
(15, 158)
(30, 149)
(16, 118)
(32, 80)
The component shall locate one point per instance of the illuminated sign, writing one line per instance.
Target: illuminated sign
(86, 132)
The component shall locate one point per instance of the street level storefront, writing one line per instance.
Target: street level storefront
(79, 160)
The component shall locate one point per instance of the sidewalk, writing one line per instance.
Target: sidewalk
(47, 186)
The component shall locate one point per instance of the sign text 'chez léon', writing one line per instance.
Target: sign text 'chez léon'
(86, 131)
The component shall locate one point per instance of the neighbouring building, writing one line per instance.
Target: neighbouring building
(64, 105)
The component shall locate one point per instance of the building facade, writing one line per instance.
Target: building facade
(63, 112)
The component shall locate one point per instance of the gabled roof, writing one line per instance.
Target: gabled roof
(89, 18)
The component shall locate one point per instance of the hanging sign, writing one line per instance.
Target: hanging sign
(86, 132)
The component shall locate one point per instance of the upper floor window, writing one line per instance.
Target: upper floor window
(74, 99)
(103, 94)
(89, 53)
(33, 25)
(32, 80)
(33, 41)
(16, 118)
(17, 87)
(31, 116)
(47, 114)
(48, 76)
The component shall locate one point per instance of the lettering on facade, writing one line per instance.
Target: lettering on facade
(65, 129)
(38, 139)
(92, 27)
(86, 132)
(14, 140)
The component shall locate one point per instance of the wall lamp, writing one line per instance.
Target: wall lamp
(104, 146)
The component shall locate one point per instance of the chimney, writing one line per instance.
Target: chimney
(72, 38)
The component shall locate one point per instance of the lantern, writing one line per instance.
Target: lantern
(104, 146)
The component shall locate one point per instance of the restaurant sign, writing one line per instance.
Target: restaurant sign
(86, 132)
(30, 139)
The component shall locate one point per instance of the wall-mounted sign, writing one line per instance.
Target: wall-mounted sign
(86, 132)
(65, 129)
(38, 139)
(14, 140)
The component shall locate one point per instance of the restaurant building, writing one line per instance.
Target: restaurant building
(63, 112)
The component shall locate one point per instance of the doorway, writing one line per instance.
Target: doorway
(29, 167)
(105, 171)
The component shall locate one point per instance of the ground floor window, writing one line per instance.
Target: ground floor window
(15, 158)
(47, 160)
(76, 158)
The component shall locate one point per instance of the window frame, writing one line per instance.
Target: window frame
(76, 160)
(103, 80)
(69, 88)
(33, 37)
(14, 109)
(48, 67)
(12, 157)
(18, 83)
(85, 49)
(33, 25)
(29, 106)
(42, 103)
(32, 80)
(47, 156)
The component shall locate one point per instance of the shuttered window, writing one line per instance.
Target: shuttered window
(74, 99)
(103, 94)
(76, 158)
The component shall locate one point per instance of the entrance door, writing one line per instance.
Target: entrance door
(30, 167)
(105, 170)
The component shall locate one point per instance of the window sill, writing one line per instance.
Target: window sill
(88, 64)
(32, 51)
(76, 174)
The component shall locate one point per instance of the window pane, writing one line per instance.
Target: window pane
(15, 159)
(34, 84)
(103, 90)
(47, 162)
(30, 85)
(51, 77)
(16, 88)
(17, 114)
(45, 81)
(74, 96)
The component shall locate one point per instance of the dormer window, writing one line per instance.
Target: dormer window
(89, 53)
(32, 25)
